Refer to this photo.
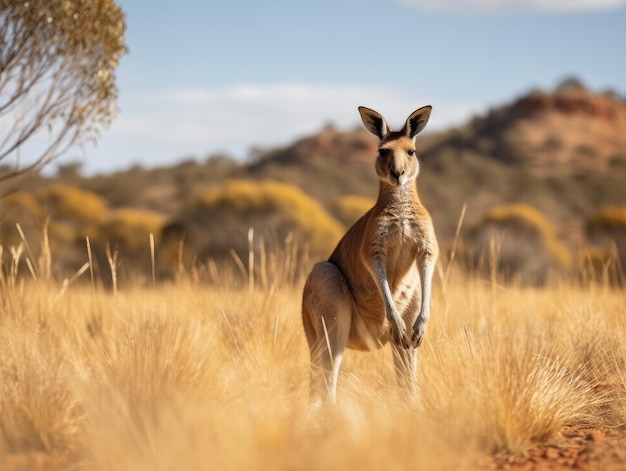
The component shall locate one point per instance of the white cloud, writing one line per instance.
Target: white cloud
(499, 7)
(158, 128)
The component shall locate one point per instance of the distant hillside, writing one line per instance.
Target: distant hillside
(568, 131)
(562, 152)
(327, 164)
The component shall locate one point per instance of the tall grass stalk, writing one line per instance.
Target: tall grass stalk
(251, 259)
(67, 282)
(30, 257)
(152, 260)
(112, 259)
(455, 243)
(90, 262)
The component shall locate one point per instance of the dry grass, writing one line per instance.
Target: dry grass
(199, 376)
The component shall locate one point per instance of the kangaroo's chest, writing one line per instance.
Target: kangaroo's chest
(400, 225)
(398, 238)
(402, 242)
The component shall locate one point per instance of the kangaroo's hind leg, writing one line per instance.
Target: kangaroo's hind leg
(405, 359)
(327, 316)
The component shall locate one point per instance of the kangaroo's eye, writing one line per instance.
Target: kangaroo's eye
(411, 152)
(383, 152)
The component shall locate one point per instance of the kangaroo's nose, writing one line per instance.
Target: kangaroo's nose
(395, 174)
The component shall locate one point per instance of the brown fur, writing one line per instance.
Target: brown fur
(378, 279)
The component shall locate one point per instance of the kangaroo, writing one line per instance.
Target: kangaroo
(376, 285)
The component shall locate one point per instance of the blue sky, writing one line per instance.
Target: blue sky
(203, 77)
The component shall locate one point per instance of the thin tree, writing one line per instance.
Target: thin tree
(57, 77)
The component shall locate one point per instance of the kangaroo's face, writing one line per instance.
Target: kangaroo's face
(397, 162)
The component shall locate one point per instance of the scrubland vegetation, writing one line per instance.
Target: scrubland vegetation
(212, 225)
(210, 371)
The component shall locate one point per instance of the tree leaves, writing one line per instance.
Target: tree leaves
(57, 75)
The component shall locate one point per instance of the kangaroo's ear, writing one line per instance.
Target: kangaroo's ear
(417, 121)
(374, 122)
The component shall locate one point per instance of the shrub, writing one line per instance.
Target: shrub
(126, 233)
(599, 265)
(618, 161)
(586, 150)
(130, 229)
(20, 202)
(349, 208)
(222, 215)
(522, 241)
(73, 214)
(62, 202)
(607, 219)
(552, 143)
(22, 208)
(607, 229)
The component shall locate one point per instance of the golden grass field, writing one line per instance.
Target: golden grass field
(198, 375)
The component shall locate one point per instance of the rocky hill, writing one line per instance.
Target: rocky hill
(569, 131)
(563, 152)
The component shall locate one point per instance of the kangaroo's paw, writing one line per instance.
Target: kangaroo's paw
(398, 331)
(419, 328)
